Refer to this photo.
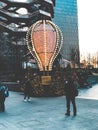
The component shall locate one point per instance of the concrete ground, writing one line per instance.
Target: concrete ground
(48, 113)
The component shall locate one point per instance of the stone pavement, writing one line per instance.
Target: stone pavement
(47, 113)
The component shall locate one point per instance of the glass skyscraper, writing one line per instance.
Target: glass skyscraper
(66, 18)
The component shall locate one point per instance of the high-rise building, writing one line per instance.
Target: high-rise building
(66, 18)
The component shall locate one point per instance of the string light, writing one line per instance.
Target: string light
(46, 50)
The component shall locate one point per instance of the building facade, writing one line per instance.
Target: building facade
(67, 19)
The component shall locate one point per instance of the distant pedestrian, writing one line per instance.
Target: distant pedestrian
(71, 93)
(27, 90)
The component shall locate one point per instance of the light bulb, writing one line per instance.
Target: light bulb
(44, 40)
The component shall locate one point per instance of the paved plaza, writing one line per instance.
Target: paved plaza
(48, 113)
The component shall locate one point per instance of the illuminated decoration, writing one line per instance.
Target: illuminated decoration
(44, 40)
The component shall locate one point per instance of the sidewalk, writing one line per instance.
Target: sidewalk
(47, 114)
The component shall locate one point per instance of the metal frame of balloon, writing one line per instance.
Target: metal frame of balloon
(29, 41)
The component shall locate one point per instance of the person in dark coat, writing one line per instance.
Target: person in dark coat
(27, 90)
(70, 92)
(2, 100)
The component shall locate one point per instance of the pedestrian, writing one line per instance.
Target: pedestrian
(27, 90)
(70, 92)
(3, 94)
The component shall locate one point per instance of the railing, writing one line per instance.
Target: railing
(24, 16)
(14, 29)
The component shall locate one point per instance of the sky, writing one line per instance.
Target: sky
(88, 26)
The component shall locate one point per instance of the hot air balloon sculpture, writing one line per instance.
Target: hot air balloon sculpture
(44, 41)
